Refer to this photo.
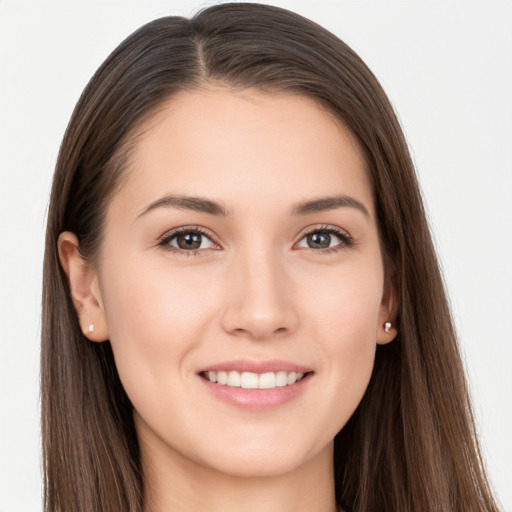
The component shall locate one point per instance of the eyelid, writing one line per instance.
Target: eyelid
(326, 227)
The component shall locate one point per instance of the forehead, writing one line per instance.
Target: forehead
(241, 147)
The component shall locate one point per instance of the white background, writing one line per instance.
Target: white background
(447, 66)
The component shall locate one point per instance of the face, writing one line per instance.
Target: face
(241, 281)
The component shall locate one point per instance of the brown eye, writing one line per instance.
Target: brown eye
(319, 240)
(326, 239)
(189, 241)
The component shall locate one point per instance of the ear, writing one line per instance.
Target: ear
(388, 313)
(84, 287)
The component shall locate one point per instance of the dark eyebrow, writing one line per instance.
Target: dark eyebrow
(196, 204)
(203, 205)
(323, 204)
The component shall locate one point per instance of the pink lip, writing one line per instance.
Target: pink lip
(256, 399)
(249, 365)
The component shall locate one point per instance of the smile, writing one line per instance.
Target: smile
(256, 385)
(251, 380)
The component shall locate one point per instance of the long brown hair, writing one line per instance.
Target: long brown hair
(411, 444)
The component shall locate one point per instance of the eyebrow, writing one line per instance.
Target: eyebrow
(323, 204)
(203, 205)
(192, 203)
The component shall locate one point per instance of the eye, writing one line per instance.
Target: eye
(326, 239)
(187, 241)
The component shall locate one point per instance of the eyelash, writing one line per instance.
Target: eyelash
(346, 240)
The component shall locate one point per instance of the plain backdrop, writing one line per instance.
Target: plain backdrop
(447, 67)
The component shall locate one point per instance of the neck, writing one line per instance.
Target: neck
(179, 484)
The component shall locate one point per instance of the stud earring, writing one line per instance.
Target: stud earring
(91, 328)
(387, 327)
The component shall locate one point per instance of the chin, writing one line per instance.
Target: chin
(268, 461)
(258, 467)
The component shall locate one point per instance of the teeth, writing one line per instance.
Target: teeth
(267, 380)
(250, 380)
(233, 379)
(281, 379)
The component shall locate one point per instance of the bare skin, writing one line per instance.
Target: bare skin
(264, 280)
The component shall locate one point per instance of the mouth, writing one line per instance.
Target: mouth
(256, 385)
(252, 380)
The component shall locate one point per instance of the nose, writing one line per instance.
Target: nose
(260, 299)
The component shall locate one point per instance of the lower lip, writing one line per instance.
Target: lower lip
(257, 399)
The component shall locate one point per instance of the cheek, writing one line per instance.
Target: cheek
(344, 316)
(153, 305)
(344, 304)
(155, 320)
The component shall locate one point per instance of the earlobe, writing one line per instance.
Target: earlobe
(386, 333)
(387, 325)
(84, 288)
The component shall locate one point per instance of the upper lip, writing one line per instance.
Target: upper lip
(249, 365)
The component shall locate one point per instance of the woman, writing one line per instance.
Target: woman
(242, 305)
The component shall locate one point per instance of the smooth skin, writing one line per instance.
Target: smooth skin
(258, 286)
